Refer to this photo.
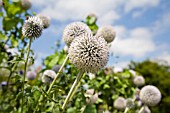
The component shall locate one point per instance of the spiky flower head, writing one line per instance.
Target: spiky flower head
(89, 53)
(31, 75)
(33, 27)
(108, 71)
(139, 81)
(130, 103)
(150, 95)
(45, 20)
(48, 76)
(74, 30)
(107, 32)
(120, 103)
(26, 4)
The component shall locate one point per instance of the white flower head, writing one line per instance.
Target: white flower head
(48, 76)
(130, 103)
(107, 32)
(89, 53)
(74, 30)
(26, 4)
(139, 81)
(120, 103)
(31, 75)
(108, 70)
(133, 72)
(150, 95)
(33, 27)
(45, 20)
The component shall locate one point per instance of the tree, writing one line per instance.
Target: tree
(158, 74)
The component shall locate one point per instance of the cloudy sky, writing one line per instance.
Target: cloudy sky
(142, 26)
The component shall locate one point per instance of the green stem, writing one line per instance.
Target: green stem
(59, 72)
(11, 72)
(141, 109)
(25, 71)
(126, 110)
(83, 109)
(51, 85)
(73, 88)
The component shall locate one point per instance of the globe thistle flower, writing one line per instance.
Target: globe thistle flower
(89, 53)
(130, 103)
(73, 30)
(107, 32)
(133, 73)
(108, 70)
(56, 68)
(26, 4)
(33, 27)
(120, 103)
(139, 81)
(150, 95)
(45, 21)
(31, 75)
(91, 76)
(48, 76)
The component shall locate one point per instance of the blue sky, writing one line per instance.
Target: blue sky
(142, 26)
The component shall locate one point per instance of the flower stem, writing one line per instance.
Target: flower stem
(126, 110)
(25, 71)
(141, 109)
(59, 72)
(73, 88)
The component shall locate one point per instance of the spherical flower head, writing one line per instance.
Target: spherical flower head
(107, 32)
(120, 103)
(133, 73)
(33, 27)
(130, 103)
(89, 53)
(108, 70)
(150, 95)
(31, 75)
(45, 21)
(74, 30)
(139, 81)
(56, 68)
(48, 76)
(26, 4)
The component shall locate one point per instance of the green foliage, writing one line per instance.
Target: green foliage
(158, 75)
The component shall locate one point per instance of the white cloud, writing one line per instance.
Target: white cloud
(162, 24)
(133, 4)
(136, 42)
(108, 11)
